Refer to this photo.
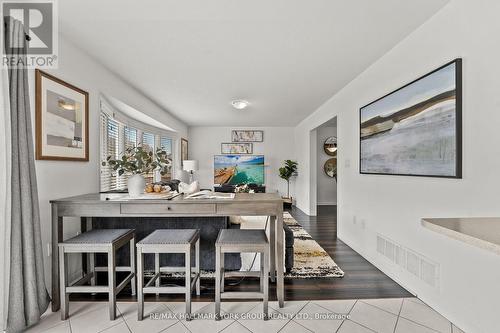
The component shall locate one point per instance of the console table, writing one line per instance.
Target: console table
(105, 205)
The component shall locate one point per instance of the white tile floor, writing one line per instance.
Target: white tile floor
(395, 315)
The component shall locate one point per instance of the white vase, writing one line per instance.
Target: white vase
(136, 185)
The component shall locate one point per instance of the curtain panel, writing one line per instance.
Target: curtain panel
(5, 185)
(28, 296)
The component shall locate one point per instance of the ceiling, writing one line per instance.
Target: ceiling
(286, 57)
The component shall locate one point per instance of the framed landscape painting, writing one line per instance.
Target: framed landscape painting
(62, 120)
(417, 129)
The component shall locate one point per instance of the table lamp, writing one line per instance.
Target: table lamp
(190, 166)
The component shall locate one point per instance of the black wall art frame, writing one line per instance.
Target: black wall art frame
(415, 130)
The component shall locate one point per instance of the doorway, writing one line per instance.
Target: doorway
(325, 168)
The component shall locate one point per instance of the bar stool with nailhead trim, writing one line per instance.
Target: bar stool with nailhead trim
(92, 242)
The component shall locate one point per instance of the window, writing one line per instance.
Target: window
(130, 137)
(148, 142)
(166, 145)
(116, 137)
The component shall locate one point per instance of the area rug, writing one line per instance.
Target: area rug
(310, 259)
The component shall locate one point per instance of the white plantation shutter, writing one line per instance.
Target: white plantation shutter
(109, 147)
(148, 144)
(121, 181)
(148, 141)
(130, 137)
(166, 144)
(116, 137)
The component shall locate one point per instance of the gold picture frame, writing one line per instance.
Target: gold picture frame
(61, 120)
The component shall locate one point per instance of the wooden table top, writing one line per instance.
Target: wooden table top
(99, 198)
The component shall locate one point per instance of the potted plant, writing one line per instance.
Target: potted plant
(287, 172)
(137, 162)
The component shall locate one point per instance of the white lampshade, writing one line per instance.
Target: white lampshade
(190, 165)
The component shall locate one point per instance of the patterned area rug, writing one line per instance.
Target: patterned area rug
(310, 259)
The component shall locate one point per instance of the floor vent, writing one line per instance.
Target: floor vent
(416, 264)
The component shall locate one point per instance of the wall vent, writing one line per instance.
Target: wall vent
(416, 264)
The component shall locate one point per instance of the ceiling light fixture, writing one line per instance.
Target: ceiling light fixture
(239, 104)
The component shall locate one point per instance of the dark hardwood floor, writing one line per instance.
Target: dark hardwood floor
(361, 280)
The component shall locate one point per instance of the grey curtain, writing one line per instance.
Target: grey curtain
(28, 296)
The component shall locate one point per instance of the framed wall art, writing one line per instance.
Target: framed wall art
(247, 136)
(62, 120)
(237, 148)
(417, 129)
(184, 150)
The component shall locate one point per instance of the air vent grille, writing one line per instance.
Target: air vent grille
(416, 264)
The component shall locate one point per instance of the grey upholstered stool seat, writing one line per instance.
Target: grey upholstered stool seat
(99, 236)
(168, 241)
(242, 236)
(171, 236)
(238, 241)
(97, 241)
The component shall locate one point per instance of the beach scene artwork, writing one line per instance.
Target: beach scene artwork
(413, 131)
(238, 169)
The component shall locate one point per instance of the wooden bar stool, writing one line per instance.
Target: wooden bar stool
(168, 241)
(92, 242)
(238, 241)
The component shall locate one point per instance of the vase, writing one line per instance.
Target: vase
(136, 185)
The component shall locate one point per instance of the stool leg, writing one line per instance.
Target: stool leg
(112, 284)
(92, 268)
(266, 283)
(63, 283)
(140, 284)
(188, 283)
(132, 265)
(217, 282)
(223, 272)
(272, 245)
(197, 266)
(157, 271)
(261, 272)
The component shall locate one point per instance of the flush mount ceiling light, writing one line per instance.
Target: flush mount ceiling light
(239, 104)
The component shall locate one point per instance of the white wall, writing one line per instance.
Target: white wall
(278, 145)
(57, 179)
(326, 186)
(393, 206)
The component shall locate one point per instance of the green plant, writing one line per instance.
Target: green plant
(137, 161)
(287, 172)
